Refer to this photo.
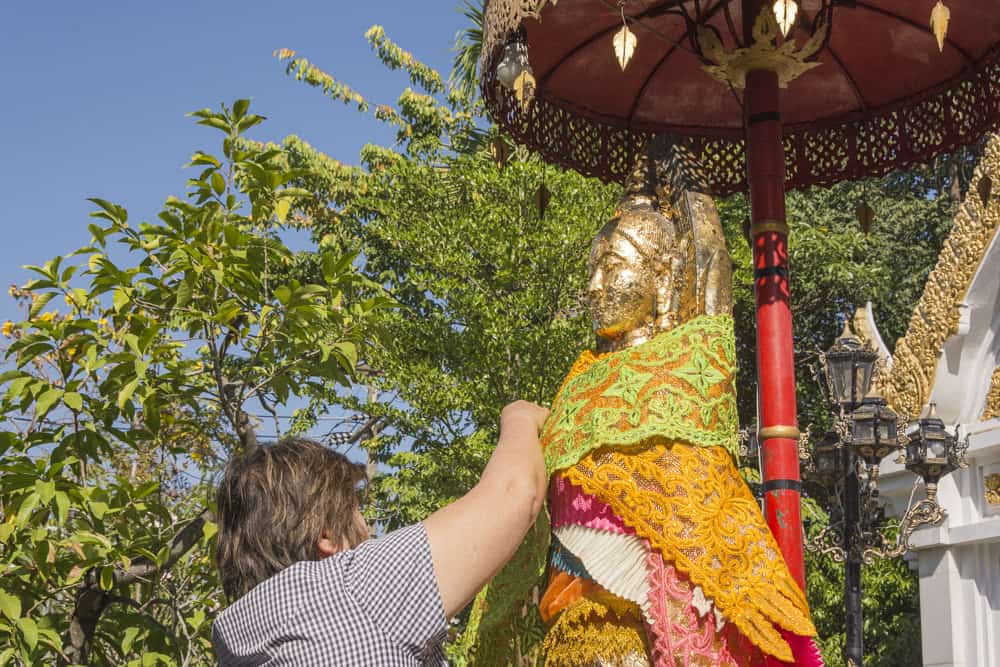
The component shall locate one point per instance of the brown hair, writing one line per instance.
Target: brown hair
(275, 501)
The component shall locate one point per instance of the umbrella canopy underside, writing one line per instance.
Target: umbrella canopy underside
(883, 97)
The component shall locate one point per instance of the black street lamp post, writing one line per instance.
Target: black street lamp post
(846, 461)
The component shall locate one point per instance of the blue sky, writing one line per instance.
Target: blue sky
(95, 95)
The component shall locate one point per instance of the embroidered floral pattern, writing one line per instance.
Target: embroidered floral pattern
(677, 386)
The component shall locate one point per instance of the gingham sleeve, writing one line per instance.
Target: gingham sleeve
(392, 578)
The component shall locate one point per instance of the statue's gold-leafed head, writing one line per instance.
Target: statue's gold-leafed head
(629, 262)
(662, 259)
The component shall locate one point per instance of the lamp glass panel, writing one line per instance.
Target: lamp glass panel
(840, 375)
(937, 449)
(862, 379)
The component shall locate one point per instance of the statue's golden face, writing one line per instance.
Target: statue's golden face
(621, 292)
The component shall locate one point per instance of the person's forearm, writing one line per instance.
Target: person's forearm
(518, 467)
(473, 537)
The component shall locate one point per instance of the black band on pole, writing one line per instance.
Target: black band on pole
(769, 271)
(763, 116)
(782, 485)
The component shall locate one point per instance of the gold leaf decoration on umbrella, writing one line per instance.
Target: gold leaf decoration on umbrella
(524, 89)
(500, 150)
(940, 16)
(624, 42)
(785, 11)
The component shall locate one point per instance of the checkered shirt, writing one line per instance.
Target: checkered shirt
(377, 604)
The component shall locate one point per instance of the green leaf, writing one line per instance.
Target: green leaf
(46, 489)
(240, 108)
(209, 529)
(98, 509)
(120, 298)
(107, 578)
(281, 209)
(29, 632)
(28, 505)
(73, 400)
(62, 507)
(39, 303)
(109, 211)
(227, 311)
(47, 400)
(10, 605)
(218, 183)
(215, 122)
(125, 394)
(348, 353)
(184, 293)
(129, 638)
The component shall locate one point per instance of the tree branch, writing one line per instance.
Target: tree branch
(92, 600)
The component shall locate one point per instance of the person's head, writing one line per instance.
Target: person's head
(279, 504)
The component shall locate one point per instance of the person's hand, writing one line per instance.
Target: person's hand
(520, 412)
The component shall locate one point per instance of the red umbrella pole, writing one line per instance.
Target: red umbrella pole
(778, 428)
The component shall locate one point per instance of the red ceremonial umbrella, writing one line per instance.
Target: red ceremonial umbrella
(768, 94)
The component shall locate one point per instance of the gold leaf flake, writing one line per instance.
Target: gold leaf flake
(940, 16)
(500, 150)
(624, 43)
(524, 89)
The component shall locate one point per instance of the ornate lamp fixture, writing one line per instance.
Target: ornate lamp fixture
(848, 368)
(514, 61)
(846, 462)
(932, 452)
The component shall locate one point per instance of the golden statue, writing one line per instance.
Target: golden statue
(658, 553)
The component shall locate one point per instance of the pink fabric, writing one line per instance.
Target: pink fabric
(803, 648)
(678, 635)
(569, 505)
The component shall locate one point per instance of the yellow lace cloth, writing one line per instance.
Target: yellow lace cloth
(603, 629)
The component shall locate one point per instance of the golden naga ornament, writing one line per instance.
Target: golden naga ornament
(787, 60)
(907, 386)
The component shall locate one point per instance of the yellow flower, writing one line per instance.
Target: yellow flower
(47, 317)
(103, 322)
(71, 351)
(8, 328)
(69, 300)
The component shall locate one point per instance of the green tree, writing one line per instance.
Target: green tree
(119, 408)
